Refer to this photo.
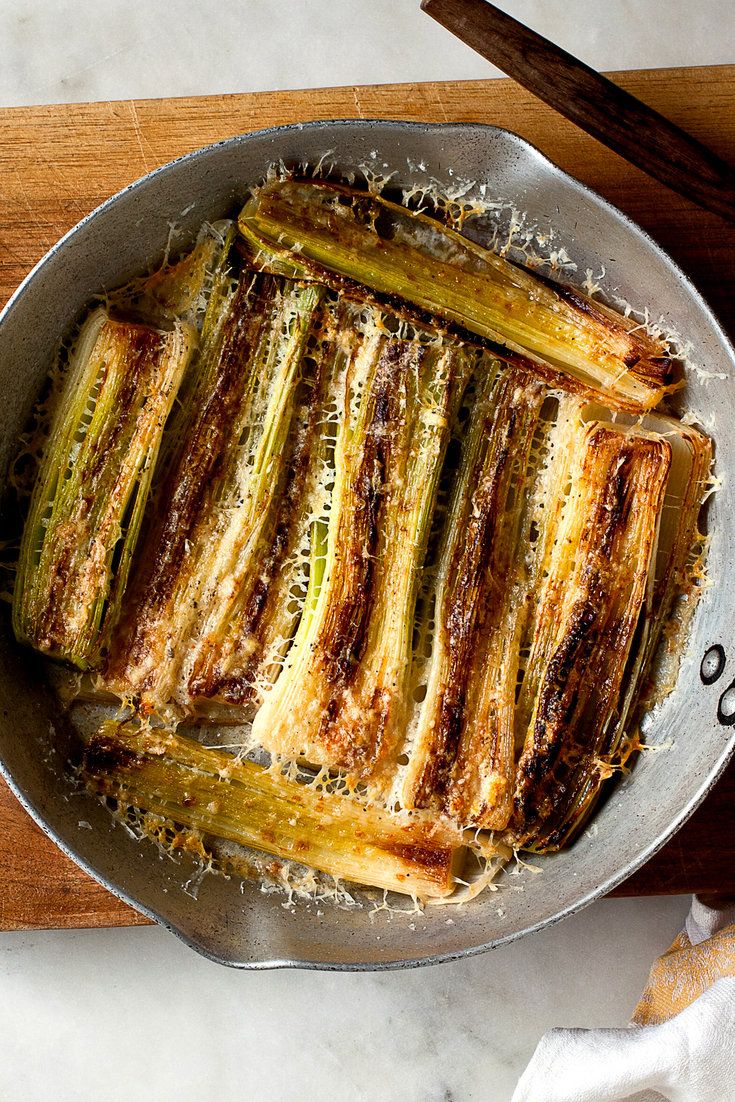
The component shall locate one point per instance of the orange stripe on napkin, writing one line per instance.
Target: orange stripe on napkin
(683, 973)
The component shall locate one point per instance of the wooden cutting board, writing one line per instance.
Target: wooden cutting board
(57, 163)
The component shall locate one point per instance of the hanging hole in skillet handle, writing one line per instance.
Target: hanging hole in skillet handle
(713, 664)
(726, 706)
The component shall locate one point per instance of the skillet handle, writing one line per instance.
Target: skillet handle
(616, 118)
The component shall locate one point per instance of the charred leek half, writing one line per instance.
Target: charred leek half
(600, 580)
(220, 492)
(340, 700)
(463, 758)
(210, 792)
(349, 240)
(91, 491)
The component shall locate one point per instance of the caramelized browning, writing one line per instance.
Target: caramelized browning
(341, 698)
(462, 761)
(588, 614)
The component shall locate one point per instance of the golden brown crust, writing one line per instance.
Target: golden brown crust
(588, 615)
(463, 760)
(340, 700)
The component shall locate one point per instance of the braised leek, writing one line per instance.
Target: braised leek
(352, 240)
(220, 492)
(87, 506)
(599, 577)
(462, 761)
(212, 793)
(340, 700)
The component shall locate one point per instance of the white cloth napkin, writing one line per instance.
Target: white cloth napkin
(688, 1057)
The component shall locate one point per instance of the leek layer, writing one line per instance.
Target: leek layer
(210, 792)
(350, 240)
(599, 582)
(462, 761)
(340, 700)
(91, 491)
(247, 629)
(220, 490)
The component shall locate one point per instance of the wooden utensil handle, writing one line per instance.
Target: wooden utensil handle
(594, 103)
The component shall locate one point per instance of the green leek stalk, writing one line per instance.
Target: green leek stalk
(211, 792)
(356, 242)
(93, 483)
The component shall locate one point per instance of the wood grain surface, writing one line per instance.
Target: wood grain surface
(58, 162)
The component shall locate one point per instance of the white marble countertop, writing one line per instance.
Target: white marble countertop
(55, 51)
(133, 1013)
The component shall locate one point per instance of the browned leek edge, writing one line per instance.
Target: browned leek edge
(340, 700)
(90, 494)
(212, 793)
(462, 761)
(220, 492)
(351, 240)
(593, 599)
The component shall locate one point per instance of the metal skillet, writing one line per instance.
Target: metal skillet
(693, 728)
